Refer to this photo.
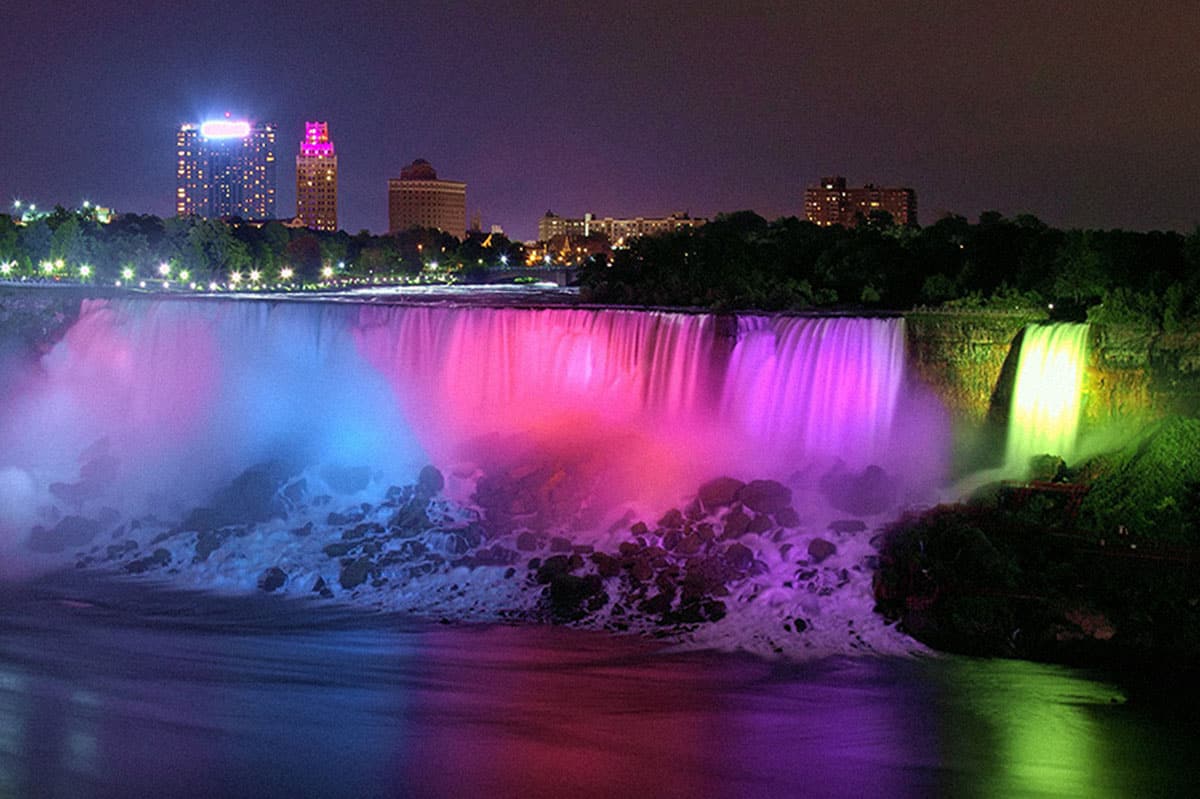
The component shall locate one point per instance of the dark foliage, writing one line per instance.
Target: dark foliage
(742, 261)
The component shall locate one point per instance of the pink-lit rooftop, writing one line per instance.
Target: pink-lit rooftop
(316, 140)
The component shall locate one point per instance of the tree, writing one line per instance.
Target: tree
(303, 254)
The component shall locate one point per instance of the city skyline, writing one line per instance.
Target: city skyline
(1075, 113)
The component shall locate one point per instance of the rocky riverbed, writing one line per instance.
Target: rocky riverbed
(737, 566)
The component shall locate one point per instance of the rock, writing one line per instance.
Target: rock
(300, 532)
(847, 525)
(788, 518)
(411, 519)
(272, 579)
(429, 482)
(339, 548)
(560, 544)
(819, 549)
(864, 494)
(207, 542)
(295, 491)
(335, 519)
(527, 542)
(1047, 468)
(735, 524)
(114, 551)
(739, 557)
(760, 524)
(254, 495)
(361, 531)
(641, 570)
(657, 605)
(719, 493)
(690, 544)
(71, 531)
(322, 588)
(158, 559)
(765, 496)
(672, 520)
(355, 573)
(551, 567)
(572, 597)
(639, 528)
(606, 565)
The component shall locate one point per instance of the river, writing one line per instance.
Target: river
(117, 688)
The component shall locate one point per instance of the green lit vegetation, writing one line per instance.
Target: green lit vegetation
(1097, 565)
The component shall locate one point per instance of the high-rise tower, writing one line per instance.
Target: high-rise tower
(316, 179)
(225, 168)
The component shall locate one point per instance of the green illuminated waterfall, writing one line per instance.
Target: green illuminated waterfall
(1046, 400)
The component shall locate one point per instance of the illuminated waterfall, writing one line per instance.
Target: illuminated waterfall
(184, 394)
(1047, 393)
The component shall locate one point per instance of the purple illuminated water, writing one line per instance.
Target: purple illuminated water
(145, 410)
(183, 394)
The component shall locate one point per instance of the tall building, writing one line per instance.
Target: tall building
(618, 231)
(316, 179)
(418, 199)
(226, 168)
(831, 203)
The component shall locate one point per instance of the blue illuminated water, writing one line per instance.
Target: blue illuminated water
(110, 689)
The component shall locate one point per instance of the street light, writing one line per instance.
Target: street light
(127, 273)
(85, 270)
(286, 273)
(164, 269)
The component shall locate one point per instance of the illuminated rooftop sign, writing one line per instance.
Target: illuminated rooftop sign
(225, 129)
(316, 140)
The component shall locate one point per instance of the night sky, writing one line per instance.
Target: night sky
(1084, 113)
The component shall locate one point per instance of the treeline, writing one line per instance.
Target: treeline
(741, 260)
(211, 249)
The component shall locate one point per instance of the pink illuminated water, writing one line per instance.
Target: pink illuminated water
(184, 394)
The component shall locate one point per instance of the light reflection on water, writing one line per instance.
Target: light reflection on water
(121, 691)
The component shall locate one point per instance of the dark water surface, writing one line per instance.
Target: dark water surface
(121, 690)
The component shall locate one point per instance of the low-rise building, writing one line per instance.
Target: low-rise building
(617, 231)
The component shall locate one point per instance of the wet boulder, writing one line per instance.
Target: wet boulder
(429, 482)
(765, 496)
(355, 573)
(865, 493)
(719, 493)
(71, 531)
(819, 550)
(272, 579)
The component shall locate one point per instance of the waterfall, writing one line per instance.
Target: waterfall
(172, 397)
(1047, 393)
